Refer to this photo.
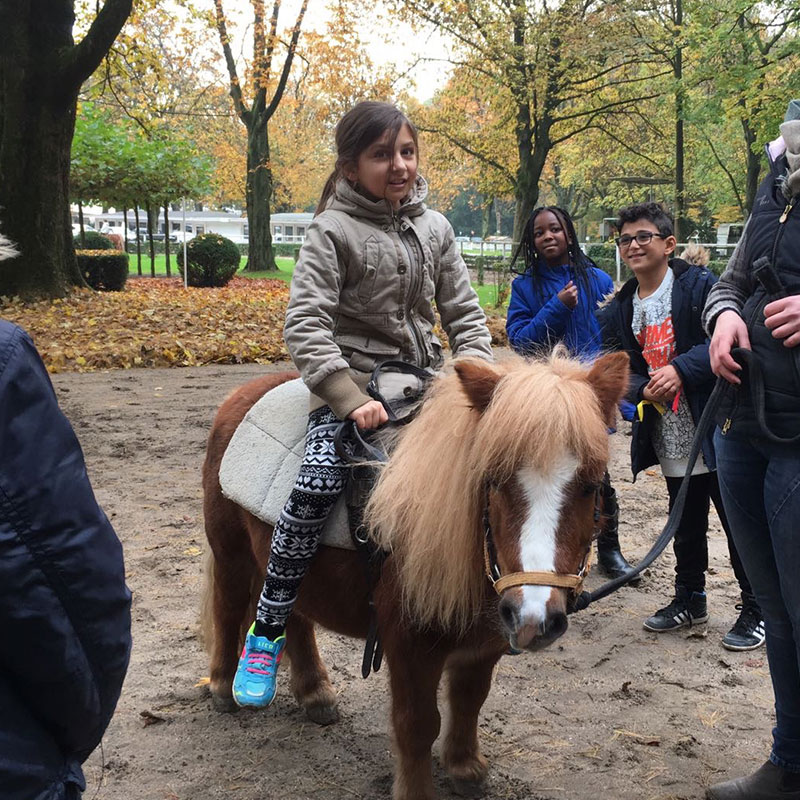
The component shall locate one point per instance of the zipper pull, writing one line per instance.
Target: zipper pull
(726, 426)
(786, 212)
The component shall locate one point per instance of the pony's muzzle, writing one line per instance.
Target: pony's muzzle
(532, 628)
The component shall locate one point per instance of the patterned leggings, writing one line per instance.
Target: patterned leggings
(297, 533)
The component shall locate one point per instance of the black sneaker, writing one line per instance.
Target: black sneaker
(686, 609)
(747, 632)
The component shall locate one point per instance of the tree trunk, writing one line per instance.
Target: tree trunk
(681, 225)
(149, 212)
(41, 71)
(80, 222)
(166, 238)
(486, 216)
(138, 242)
(753, 167)
(259, 195)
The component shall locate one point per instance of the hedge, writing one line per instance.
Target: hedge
(104, 270)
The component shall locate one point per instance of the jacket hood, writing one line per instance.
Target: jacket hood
(346, 198)
(677, 265)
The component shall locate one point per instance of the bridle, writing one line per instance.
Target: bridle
(561, 580)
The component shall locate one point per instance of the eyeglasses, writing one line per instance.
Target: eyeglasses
(642, 238)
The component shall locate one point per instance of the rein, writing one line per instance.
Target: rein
(721, 388)
(500, 582)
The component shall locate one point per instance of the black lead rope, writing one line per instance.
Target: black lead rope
(721, 388)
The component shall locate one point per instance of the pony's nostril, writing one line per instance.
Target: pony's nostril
(509, 615)
(555, 625)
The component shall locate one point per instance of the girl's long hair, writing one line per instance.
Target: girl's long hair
(356, 131)
(578, 260)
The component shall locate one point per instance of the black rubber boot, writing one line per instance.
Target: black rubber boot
(610, 560)
(766, 783)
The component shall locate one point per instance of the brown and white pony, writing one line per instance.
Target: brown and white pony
(520, 445)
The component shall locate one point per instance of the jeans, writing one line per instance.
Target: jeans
(760, 487)
(691, 538)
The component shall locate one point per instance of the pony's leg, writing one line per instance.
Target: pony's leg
(309, 679)
(231, 593)
(468, 684)
(414, 672)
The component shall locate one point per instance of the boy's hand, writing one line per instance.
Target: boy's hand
(782, 317)
(664, 384)
(730, 331)
(369, 416)
(569, 295)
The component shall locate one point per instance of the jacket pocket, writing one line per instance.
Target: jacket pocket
(370, 262)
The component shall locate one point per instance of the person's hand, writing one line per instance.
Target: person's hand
(730, 331)
(369, 416)
(664, 384)
(782, 317)
(569, 295)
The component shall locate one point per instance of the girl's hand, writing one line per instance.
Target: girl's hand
(664, 384)
(569, 295)
(782, 317)
(369, 416)
(730, 331)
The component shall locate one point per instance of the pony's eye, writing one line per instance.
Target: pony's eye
(589, 488)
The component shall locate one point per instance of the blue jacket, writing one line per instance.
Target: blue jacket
(689, 292)
(64, 607)
(537, 318)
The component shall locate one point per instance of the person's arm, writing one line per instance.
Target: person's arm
(308, 330)
(64, 606)
(528, 323)
(459, 308)
(733, 288)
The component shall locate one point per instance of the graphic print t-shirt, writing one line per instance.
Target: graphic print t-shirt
(674, 429)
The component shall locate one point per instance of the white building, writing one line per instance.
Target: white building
(289, 228)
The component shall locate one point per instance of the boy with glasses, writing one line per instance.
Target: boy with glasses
(655, 318)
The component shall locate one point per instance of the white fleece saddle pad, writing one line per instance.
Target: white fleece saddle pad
(262, 461)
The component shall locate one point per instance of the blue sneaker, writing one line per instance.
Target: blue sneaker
(254, 683)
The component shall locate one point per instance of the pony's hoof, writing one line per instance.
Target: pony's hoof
(323, 714)
(224, 705)
(465, 787)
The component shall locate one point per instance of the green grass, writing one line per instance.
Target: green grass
(487, 294)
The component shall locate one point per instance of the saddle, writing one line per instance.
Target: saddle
(263, 458)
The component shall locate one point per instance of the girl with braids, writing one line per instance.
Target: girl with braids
(554, 301)
(555, 298)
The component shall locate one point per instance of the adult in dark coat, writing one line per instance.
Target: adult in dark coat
(64, 608)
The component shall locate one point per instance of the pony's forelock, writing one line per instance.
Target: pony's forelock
(428, 503)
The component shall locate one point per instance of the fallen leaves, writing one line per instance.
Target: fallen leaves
(157, 323)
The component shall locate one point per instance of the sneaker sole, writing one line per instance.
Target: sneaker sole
(687, 624)
(738, 648)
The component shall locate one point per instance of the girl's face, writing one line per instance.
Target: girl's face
(550, 239)
(386, 171)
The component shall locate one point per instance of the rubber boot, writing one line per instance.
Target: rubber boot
(610, 560)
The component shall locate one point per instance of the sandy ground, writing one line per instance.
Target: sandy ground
(610, 711)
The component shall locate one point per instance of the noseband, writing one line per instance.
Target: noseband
(561, 580)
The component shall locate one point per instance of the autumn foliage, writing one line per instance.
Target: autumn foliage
(157, 323)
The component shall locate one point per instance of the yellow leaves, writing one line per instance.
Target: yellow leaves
(157, 323)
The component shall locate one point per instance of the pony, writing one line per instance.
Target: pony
(498, 475)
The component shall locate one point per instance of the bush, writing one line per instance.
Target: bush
(103, 270)
(94, 241)
(213, 260)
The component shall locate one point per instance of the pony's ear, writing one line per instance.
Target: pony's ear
(609, 378)
(478, 380)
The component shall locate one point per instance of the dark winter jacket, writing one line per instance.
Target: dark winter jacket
(692, 284)
(64, 607)
(537, 318)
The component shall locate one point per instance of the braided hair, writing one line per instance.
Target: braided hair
(578, 260)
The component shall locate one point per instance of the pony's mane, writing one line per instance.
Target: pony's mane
(427, 505)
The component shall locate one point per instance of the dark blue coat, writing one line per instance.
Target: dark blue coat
(689, 292)
(64, 607)
(537, 318)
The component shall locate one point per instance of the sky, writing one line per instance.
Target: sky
(422, 54)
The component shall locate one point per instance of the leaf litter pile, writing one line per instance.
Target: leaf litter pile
(157, 323)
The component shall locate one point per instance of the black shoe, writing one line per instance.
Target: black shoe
(686, 609)
(768, 782)
(611, 562)
(747, 632)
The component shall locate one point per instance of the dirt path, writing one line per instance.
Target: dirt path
(610, 712)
